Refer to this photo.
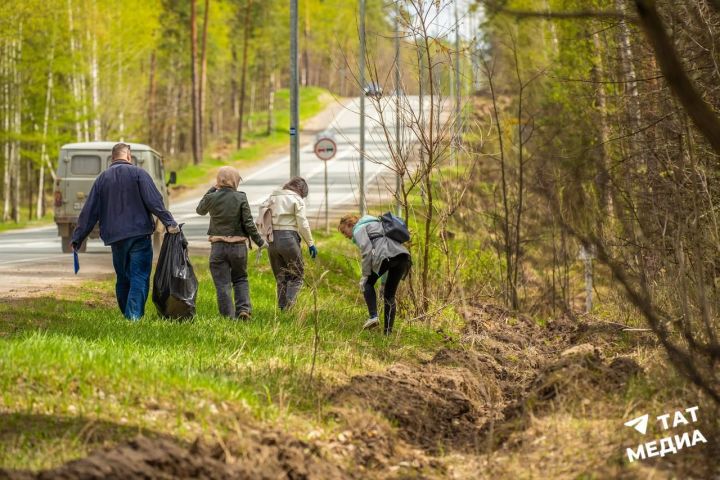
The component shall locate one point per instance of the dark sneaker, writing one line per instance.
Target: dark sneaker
(371, 323)
(243, 316)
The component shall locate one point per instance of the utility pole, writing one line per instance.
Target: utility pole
(362, 107)
(398, 175)
(294, 87)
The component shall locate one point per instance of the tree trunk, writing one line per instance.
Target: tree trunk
(234, 97)
(203, 74)
(29, 183)
(177, 97)
(271, 105)
(246, 36)
(95, 78)
(196, 124)
(305, 54)
(119, 92)
(40, 209)
(603, 177)
(74, 87)
(507, 250)
(431, 157)
(7, 111)
(628, 66)
(252, 105)
(17, 127)
(521, 186)
(152, 90)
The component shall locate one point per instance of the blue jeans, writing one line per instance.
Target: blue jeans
(132, 259)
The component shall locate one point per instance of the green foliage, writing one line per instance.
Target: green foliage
(312, 101)
(121, 70)
(78, 358)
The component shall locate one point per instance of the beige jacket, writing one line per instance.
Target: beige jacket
(288, 213)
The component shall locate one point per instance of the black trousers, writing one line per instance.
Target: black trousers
(396, 268)
(228, 267)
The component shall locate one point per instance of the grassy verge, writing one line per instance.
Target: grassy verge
(258, 143)
(74, 374)
(46, 220)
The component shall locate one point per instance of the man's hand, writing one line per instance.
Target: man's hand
(173, 229)
(313, 251)
(363, 280)
(74, 246)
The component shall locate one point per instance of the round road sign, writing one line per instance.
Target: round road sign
(325, 149)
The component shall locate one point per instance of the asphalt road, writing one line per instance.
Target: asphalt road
(32, 256)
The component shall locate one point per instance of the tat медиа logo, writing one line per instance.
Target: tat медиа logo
(669, 444)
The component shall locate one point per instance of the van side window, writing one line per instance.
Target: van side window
(159, 167)
(85, 165)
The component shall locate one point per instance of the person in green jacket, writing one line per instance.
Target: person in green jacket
(231, 228)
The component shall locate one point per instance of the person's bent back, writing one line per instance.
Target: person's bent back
(123, 200)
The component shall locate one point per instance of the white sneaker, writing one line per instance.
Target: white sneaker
(371, 323)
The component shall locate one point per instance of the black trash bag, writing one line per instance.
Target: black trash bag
(174, 284)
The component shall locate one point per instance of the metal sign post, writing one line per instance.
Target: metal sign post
(361, 74)
(325, 149)
(294, 92)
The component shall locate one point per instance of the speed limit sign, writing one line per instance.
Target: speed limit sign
(325, 148)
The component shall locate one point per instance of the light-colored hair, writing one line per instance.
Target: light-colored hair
(348, 222)
(297, 185)
(228, 177)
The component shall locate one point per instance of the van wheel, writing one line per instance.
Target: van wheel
(65, 244)
(66, 248)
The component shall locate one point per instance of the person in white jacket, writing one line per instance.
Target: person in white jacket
(289, 226)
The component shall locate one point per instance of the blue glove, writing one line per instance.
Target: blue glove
(313, 251)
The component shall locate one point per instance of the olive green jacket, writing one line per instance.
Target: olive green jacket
(229, 214)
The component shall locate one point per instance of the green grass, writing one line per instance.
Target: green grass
(75, 374)
(25, 222)
(258, 143)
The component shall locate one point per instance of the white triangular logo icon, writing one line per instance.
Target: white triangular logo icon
(640, 423)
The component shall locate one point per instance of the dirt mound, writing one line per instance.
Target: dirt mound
(259, 456)
(514, 345)
(579, 373)
(582, 372)
(509, 365)
(434, 405)
(371, 446)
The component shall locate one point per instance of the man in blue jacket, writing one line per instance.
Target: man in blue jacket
(123, 199)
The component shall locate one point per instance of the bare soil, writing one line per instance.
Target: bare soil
(401, 423)
(470, 399)
(258, 456)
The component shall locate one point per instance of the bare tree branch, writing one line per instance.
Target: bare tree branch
(702, 115)
(582, 14)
